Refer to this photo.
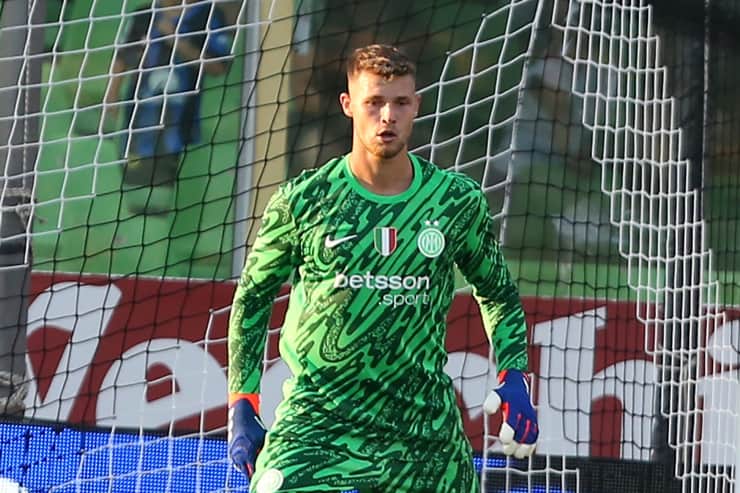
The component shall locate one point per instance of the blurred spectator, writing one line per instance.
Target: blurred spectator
(165, 46)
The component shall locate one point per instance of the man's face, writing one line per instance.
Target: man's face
(382, 111)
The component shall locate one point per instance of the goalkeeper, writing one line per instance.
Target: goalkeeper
(372, 239)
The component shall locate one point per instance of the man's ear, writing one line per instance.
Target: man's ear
(344, 101)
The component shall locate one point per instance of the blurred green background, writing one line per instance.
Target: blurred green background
(556, 228)
(82, 224)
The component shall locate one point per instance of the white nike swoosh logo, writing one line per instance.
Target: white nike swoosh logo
(331, 243)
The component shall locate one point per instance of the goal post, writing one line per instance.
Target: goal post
(165, 125)
(20, 74)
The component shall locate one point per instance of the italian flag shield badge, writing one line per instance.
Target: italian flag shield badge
(385, 241)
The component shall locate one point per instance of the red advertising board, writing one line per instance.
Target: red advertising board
(145, 353)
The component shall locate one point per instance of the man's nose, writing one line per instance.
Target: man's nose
(387, 115)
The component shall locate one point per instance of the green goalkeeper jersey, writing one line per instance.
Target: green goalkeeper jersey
(373, 280)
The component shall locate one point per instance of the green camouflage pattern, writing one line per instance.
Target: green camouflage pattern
(364, 334)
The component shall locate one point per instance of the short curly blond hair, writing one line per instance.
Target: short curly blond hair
(384, 60)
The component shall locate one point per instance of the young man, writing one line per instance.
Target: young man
(166, 44)
(372, 239)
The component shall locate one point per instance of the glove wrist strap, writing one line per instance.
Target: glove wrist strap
(253, 399)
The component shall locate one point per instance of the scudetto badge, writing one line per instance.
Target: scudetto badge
(385, 240)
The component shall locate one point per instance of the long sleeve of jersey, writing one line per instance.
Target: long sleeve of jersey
(266, 268)
(482, 263)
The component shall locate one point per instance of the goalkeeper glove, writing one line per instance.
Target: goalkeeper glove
(246, 436)
(519, 430)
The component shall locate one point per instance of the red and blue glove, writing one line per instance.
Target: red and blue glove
(246, 434)
(519, 430)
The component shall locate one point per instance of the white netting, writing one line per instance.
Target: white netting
(600, 62)
(126, 326)
(614, 57)
(75, 109)
(476, 134)
(614, 54)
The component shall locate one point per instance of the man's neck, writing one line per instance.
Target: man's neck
(382, 176)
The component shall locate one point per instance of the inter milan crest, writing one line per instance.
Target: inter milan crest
(385, 240)
(431, 240)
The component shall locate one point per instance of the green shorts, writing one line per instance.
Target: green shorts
(352, 464)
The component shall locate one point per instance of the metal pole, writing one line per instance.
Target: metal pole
(20, 75)
(681, 26)
(243, 196)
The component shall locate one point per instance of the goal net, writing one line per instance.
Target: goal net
(140, 140)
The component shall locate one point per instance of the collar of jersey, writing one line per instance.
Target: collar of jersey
(385, 199)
